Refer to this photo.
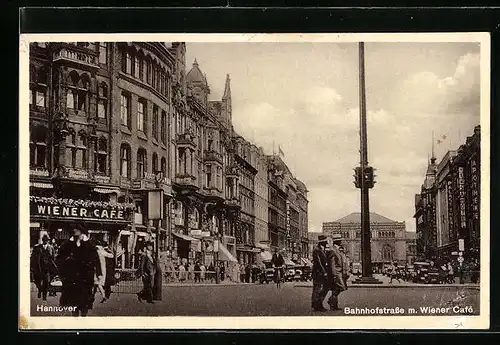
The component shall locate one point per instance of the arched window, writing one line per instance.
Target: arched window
(102, 156)
(387, 253)
(39, 89)
(71, 95)
(82, 150)
(141, 116)
(164, 166)
(154, 124)
(125, 109)
(141, 163)
(102, 105)
(137, 66)
(163, 129)
(103, 53)
(38, 147)
(71, 149)
(125, 160)
(148, 71)
(154, 163)
(82, 94)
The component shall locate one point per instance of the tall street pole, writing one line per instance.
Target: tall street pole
(366, 178)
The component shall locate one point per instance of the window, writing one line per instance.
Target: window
(125, 160)
(163, 126)
(128, 64)
(144, 70)
(136, 67)
(209, 176)
(82, 151)
(141, 163)
(154, 124)
(125, 109)
(141, 118)
(38, 147)
(102, 156)
(102, 103)
(103, 53)
(149, 74)
(154, 164)
(164, 166)
(31, 96)
(40, 98)
(71, 150)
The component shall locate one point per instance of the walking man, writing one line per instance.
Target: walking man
(335, 265)
(345, 266)
(319, 274)
(147, 271)
(44, 267)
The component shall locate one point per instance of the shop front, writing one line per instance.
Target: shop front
(56, 217)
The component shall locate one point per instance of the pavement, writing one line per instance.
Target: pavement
(293, 299)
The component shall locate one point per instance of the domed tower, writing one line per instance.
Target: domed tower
(197, 83)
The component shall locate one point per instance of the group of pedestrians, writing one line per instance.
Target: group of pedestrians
(83, 266)
(329, 272)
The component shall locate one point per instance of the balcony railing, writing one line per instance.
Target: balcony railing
(67, 54)
(186, 180)
(213, 156)
(214, 192)
(39, 172)
(233, 202)
(232, 171)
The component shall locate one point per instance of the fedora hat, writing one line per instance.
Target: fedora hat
(322, 238)
(337, 237)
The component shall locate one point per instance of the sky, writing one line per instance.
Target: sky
(304, 98)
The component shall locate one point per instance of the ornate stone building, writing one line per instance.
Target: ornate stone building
(388, 237)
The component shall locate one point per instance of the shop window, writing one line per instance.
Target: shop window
(125, 160)
(125, 109)
(141, 116)
(141, 163)
(103, 53)
(154, 124)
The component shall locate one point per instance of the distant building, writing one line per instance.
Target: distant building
(313, 241)
(411, 247)
(388, 237)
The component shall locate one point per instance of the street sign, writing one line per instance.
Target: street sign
(461, 245)
(460, 259)
(461, 254)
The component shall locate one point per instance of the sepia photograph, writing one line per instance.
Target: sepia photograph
(254, 181)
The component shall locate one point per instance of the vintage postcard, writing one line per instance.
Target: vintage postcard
(264, 181)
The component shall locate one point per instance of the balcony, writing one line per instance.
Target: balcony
(213, 157)
(232, 171)
(76, 55)
(213, 192)
(186, 182)
(186, 140)
(233, 203)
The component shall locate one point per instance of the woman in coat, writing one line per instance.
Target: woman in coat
(100, 281)
(78, 264)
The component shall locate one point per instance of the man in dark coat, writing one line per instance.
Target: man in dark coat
(147, 271)
(319, 275)
(278, 261)
(335, 265)
(78, 263)
(43, 265)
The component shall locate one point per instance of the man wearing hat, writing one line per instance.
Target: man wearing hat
(43, 265)
(79, 263)
(319, 274)
(147, 271)
(335, 266)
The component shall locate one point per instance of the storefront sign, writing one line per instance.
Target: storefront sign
(78, 212)
(461, 190)
(155, 204)
(451, 230)
(475, 189)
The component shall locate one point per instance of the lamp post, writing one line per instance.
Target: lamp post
(155, 210)
(364, 179)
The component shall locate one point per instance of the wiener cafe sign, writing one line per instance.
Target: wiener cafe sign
(83, 210)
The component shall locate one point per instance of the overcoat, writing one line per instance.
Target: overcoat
(319, 269)
(335, 268)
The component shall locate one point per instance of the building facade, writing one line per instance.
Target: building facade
(111, 122)
(411, 247)
(447, 210)
(388, 237)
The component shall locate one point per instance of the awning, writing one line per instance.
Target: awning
(106, 190)
(225, 254)
(41, 185)
(266, 256)
(289, 262)
(185, 237)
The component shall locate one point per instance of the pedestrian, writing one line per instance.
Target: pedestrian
(222, 271)
(211, 272)
(203, 270)
(197, 272)
(43, 266)
(335, 269)
(110, 265)
(393, 272)
(247, 273)
(100, 280)
(78, 263)
(190, 269)
(319, 274)
(147, 271)
(345, 265)
(182, 273)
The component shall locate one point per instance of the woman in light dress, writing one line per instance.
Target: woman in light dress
(100, 281)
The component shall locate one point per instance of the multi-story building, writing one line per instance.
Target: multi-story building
(411, 247)
(447, 210)
(312, 242)
(388, 242)
(245, 234)
(261, 195)
(302, 203)
(277, 206)
(425, 213)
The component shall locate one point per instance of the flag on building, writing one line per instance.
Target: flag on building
(280, 151)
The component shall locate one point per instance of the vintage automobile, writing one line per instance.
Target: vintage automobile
(421, 272)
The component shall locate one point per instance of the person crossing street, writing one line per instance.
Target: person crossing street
(335, 265)
(319, 274)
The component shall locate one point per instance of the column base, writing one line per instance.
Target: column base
(367, 280)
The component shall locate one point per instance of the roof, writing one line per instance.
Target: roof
(355, 217)
(195, 75)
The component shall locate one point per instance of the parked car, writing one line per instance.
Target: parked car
(421, 272)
